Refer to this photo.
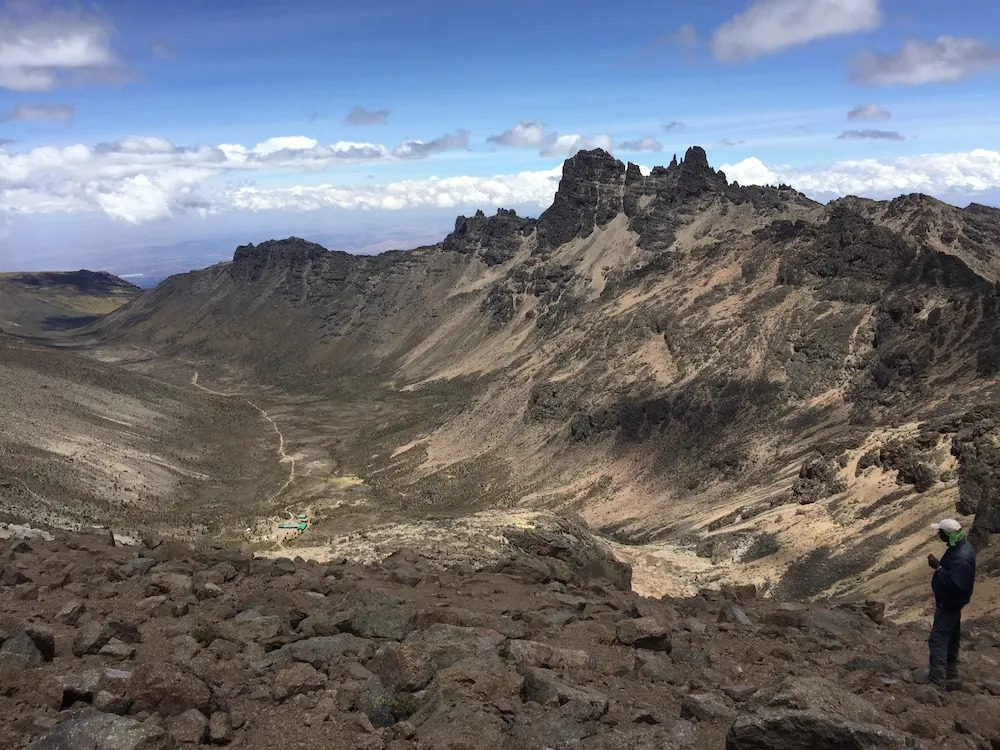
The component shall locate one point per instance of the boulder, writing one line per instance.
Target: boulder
(448, 644)
(71, 612)
(220, 728)
(92, 637)
(297, 679)
(191, 727)
(810, 730)
(377, 616)
(405, 666)
(249, 626)
(733, 614)
(168, 689)
(103, 731)
(321, 651)
(535, 654)
(819, 694)
(19, 653)
(546, 687)
(584, 557)
(644, 632)
(787, 615)
(705, 707)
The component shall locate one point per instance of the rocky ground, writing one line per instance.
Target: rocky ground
(170, 645)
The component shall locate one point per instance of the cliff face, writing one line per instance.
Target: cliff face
(668, 354)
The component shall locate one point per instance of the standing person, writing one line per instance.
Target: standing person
(952, 582)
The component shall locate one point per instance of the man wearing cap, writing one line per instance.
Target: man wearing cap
(954, 576)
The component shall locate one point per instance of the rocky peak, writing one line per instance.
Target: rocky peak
(695, 158)
(590, 194)
(495, 239)
(251, 262)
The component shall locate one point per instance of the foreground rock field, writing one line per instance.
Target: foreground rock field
(170, 645)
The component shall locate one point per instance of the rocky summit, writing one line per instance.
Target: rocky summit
(167, 645)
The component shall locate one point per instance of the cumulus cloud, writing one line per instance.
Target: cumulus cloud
(526, 134)
(769, 26)
(947, 58)
(869, 112)
(966, 173)
(39, 113)
(413, 148)
(871, 134)
(141, 179)
(534, 134)
(567, 145)
(524, 188)
(673, 126)
(649, 143)
(362, 116)
(42, 48)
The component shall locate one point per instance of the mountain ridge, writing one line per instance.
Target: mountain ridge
(669, 355)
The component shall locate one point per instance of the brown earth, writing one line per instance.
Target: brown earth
(167, 645)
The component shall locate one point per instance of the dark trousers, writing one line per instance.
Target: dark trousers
(945, 640)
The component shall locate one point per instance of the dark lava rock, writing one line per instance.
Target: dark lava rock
(20, 652)
(590, 194)
(810, 730)
(102, 731)
(168, 689)
(494, 239)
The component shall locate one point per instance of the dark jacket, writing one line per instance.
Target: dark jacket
(953, 580)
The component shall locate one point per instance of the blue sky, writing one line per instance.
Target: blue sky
(132, 126)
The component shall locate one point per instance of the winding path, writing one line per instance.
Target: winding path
(283, 456)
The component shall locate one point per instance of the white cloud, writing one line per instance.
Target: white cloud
(965, 173)
(869, 112)
(534, 134)
(649, 143)
(567, 145)
(769, 26)
(140, 179)
(526, 134)
(40, 48)
(750, 171)
(947, 58)
(414, 148)
(524, 188)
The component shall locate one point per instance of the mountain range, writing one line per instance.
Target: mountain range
(728, 382)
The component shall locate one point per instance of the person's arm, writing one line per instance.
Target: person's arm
(956, 577)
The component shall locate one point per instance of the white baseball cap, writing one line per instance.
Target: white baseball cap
(947, 525)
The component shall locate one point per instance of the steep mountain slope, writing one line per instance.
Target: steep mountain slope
(85, 441)
(42, 304)
(675, 357)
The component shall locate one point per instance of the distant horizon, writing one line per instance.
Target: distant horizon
(148, 265)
